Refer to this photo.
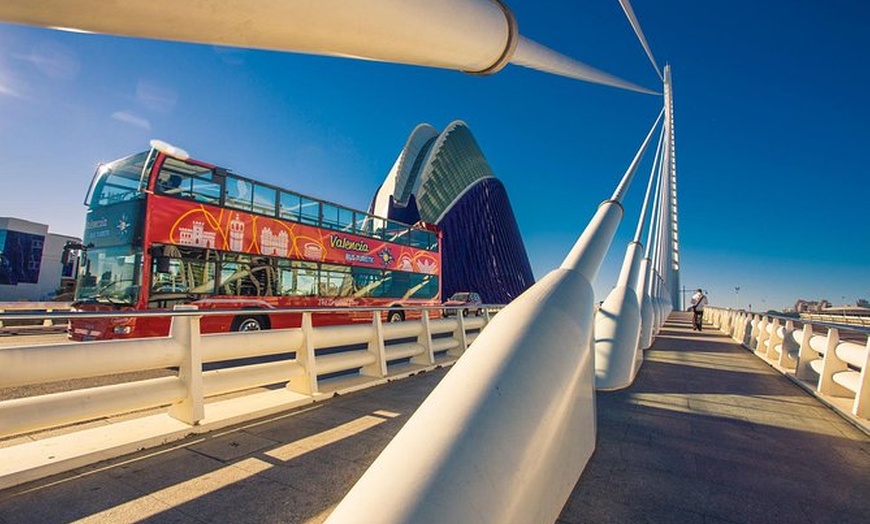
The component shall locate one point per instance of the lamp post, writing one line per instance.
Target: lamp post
(736, 297)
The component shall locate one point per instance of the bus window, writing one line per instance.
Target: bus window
(297, 278)
(422, 286)
(332, 281)
(290, 206)
(397, 233)
(309, 211)
(117, 181)
(235, 276)
(264, 272)
(330, 216)
(378, 227)
(238, 193)
(345, 220)
(264, 200)
(363, 224)
(177, 178)
(420, 238)
(243, 276)
(190, 271)
(368, 282)
(205, 191)
(399, 284)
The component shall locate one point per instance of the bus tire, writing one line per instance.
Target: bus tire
(249, 323)
(395, 315)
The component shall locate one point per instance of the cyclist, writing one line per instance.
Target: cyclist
(699, 300)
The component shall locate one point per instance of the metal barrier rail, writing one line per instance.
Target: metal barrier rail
(373, 348)
(27, 316)
(832, 366)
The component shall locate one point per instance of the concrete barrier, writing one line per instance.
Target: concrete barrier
(832, 367)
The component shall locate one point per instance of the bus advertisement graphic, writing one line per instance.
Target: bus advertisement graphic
(182, 222)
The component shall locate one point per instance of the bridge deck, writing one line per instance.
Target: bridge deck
(708, 433)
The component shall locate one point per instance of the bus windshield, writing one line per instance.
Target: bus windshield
(111, 276)
(119, 181)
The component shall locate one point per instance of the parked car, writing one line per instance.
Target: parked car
(466, 301)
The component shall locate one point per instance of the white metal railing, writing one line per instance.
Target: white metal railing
(833, 364)
(370, 349)
(37, 308)
(841, 319)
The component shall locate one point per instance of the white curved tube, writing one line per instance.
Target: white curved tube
(496, 441)
(453, 34)
(617, 328)
(476, 36)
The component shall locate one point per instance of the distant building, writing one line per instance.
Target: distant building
(444, 179)
(30, 260)
(810, 306)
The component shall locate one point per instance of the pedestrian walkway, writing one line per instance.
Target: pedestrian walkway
(708, 433)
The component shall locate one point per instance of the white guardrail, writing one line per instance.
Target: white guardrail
(832, 366)
(31, 324)
(373, 348)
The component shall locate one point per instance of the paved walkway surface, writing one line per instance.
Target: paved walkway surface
(708, 433)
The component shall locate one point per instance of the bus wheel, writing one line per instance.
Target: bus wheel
(247, 324)
(395, 316)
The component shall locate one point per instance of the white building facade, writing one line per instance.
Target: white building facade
(31, 268)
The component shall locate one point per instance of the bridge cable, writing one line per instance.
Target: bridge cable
(652, 177)
(629, 12)
(533, 55)
(652, 235)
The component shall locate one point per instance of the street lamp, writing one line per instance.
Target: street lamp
(736, 297)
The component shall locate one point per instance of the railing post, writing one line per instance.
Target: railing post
(750, 336)
(459, 335)
(861, 407)
(806, 354)
(306, 382)
(772, 340)
(786, 361)
(425, 339)
(746, 333)
(376, 347)
(760, 336)
(184, 330)
(830, 365)
(734, 330)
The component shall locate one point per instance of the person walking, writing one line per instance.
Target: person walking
(699, 300)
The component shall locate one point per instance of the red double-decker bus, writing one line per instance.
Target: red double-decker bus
(163, 230)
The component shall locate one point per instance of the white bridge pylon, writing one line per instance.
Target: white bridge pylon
(637, 307)
(508, 431)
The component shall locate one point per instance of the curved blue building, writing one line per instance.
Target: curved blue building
(443, 178)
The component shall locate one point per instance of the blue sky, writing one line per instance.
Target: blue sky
(771, 126)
